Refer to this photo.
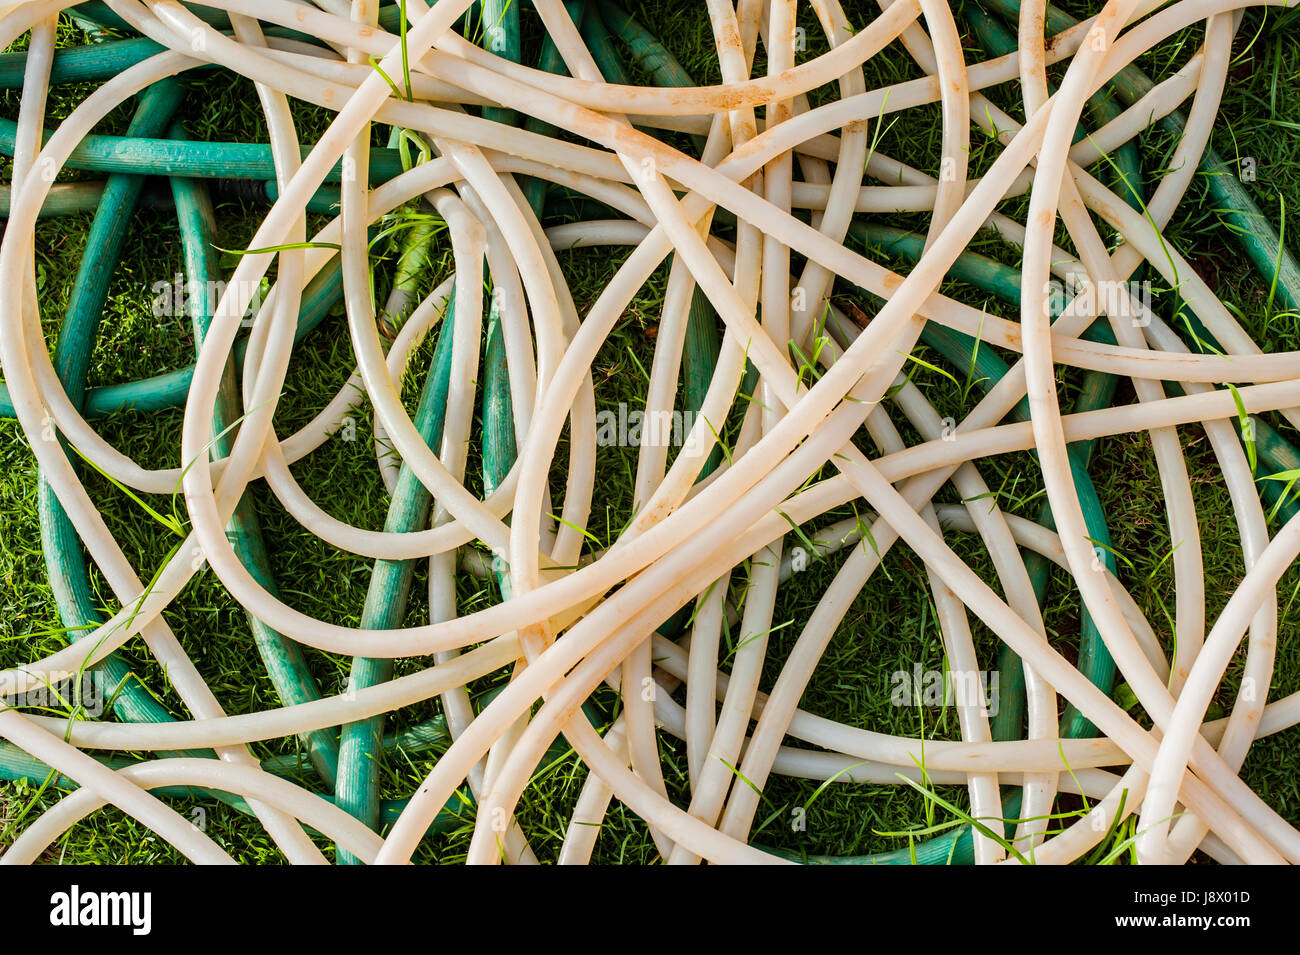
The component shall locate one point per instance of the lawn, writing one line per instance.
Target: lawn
(890, 627)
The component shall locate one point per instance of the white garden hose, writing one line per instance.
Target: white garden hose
(767, 462)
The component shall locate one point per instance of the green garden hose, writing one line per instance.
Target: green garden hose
(1251, 228)
(65, 561)
(390, 581)
(284, 660)
(606, 604)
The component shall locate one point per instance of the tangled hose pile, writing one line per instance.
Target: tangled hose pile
(759, 196)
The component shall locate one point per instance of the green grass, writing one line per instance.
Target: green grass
(889, 627)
